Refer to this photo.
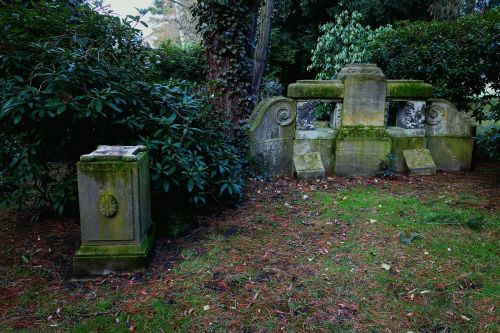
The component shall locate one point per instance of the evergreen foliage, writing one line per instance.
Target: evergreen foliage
(72, 78)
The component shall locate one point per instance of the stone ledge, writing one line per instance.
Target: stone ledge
(398, 132)
(409, 89)
(318, 90)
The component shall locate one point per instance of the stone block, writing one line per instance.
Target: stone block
(308, 166)
(419, 162)
(364, 95)
(271, 133)
(115, 213)
(451, 153)
(320, 140)
(359, 151)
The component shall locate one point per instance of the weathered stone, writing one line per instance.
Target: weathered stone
(306, 116)
(359, 150)
(272, 128)
(320, 140)
(409, 89)
(115, 216)
(364, 95)
(451, 153)
(336, 117)
(411, 115)
(308, 166)
(404, 139)
(316, 89)
(449, 135)
(419, 162)
(443, 119)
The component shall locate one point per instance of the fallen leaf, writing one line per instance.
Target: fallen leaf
(386, 266)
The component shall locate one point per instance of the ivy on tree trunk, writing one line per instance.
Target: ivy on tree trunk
(236, 36)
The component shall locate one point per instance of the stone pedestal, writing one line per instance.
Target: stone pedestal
(115, 217)
(358, 151)
(362, 141)
(364, 95)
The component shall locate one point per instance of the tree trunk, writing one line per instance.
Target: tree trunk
(261, 48)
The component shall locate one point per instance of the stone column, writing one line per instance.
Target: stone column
(115, 218)
(362, 141)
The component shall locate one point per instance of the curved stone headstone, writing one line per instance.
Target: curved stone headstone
(272, 129)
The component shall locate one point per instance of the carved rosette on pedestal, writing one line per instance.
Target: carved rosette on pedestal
(113, 190)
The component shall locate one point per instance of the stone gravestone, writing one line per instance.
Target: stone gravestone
(419, 162)
(308, 166)
(271, 133)
(115, 217)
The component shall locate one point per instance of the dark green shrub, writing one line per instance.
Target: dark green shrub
(185, 63)
(72, 78)
(459, 58)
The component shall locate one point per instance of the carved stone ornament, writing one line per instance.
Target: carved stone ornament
(108, 206)
(433, 115)
(284, 116)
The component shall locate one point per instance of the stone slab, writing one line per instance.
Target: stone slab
(410, 89)
(114, 153)
(419, 162)
(308, 166)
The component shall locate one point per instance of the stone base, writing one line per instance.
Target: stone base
(419, 162)
(451, 153)
(308, 166)
(358, 151)
(105, 259)
(320, 140)
(404, 139)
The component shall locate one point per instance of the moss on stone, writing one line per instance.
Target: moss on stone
(409, 89)
(362, 132)
(328, 90)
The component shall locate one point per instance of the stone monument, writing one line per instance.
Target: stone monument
(115, 216)
(371, 119)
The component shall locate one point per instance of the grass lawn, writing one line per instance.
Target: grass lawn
(416, 254)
